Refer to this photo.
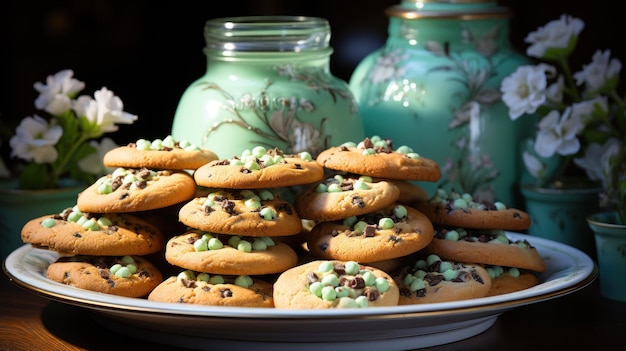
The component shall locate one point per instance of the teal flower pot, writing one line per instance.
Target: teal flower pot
(561, 214)
(19, 206)
(610, 239)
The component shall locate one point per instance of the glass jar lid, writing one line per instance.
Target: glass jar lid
(267, 34)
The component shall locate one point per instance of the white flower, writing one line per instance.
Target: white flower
(104, 112)
(584, 110)
(534, 166)
(524, 90)
(34, 140)
(612, 159)
(596, 74)
(558, 134)
(55, 96)
(595, 160)
(554, 93)
(557, 34)
(92, 164)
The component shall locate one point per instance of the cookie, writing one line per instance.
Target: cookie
(376, 157)
(460, 210)
(432, 279)
(134, 189)
(343, 196)
(129, 276)
(260, 168)
(258, 212)
(506, 280)
(393, 232)
(485, 246)
(229, 254)
(73, 232)
(215, 290)
(159, 154)
(409, 191)
(323, 284)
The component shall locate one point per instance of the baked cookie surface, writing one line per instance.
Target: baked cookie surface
(454, 209)
(76, 233)
(215, 290)
(376, 157)
(159, 154)
(506, 280)
(393, 232)
(485, 246)
(323, 284)
(134, 189)
(409, 191)
(229, 254)
(258, 212)
(343, 196)
(260, 168)
(431, 280)
(130, 276)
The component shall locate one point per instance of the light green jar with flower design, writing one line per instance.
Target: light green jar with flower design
(268, 83)
(435, 86)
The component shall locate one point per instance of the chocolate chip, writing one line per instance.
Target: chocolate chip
(369, 230)
(372, 294)
(358, 201)
(433, 279)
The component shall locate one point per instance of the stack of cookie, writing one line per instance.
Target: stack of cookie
(104, 240)
(356, 209)
(232, 225)
(475, 233)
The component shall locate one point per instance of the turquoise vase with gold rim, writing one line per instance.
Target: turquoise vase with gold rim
(435, 86)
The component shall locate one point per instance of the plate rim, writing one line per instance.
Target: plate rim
(585, 272)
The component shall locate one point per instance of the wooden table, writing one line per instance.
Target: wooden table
(579, 321)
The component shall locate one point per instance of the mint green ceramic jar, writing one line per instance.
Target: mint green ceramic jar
(268, 83)
(435, 86)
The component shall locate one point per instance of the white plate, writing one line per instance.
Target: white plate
(389, 328)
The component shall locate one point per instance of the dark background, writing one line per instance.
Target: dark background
(148, 52)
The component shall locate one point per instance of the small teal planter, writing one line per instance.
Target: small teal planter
(611, 251)
(561, 215)
(19, 206)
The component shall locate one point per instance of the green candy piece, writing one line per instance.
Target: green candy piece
(352, 268)
(386, 223)
(325, 267)
(268, 214)
(48, 223)
(244, 246)
(243, 281)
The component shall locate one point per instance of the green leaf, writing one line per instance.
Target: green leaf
(36, 176)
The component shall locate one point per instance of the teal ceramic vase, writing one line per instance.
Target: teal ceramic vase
(267, 82)
(610, 238)
(435, 86)
(560, 214)
(19, 206)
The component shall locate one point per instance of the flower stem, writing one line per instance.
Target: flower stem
(571, 85)
(60, 167)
